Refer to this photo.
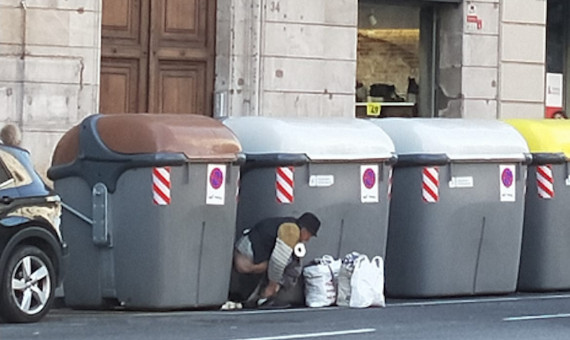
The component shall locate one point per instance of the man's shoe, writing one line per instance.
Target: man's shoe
(273, 303)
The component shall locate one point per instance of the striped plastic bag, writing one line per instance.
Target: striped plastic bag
(320, 281)
(344, 277)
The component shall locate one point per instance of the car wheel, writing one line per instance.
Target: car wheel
(27, 286)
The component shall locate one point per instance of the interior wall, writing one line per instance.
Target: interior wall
(389, 56)
(388, 45)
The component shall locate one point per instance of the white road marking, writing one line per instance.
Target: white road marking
(536, 317)
(314, 335)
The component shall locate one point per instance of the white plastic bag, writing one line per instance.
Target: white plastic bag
(320, 281)
(367, 283)
(344, 276)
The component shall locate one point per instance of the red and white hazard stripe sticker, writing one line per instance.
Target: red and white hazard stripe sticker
(390, 174)
(430, 184)
(238, 183)
(284, 185)
(161, 185)
(545, 181)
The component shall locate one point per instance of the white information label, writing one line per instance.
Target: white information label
(554, 87)
(215, 184)
(461, 182)
(568, 181)
(507, 183)
(321, 180)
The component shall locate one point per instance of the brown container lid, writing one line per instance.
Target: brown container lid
(198, 137)
(67, 149)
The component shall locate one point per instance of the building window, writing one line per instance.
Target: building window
(396, 58)
(387, 59)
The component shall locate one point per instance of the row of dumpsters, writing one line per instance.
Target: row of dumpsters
(456, 207)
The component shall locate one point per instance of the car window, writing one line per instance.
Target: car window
(5, 176)
(13, 171)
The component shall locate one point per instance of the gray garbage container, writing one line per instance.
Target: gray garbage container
(150, 206)
(456, 214)
(545, 254)
(336, 168)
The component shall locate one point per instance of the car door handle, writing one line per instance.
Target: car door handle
(6, 200)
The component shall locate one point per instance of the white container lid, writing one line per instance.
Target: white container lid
(459, 139)
(320, 139)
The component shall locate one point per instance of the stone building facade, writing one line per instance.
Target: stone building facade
(49, 69)
(280, 58)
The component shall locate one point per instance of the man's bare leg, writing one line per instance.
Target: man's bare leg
(244, 265)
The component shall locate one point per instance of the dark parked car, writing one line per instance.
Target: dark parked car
(32, 252)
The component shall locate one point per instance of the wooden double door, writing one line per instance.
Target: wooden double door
(157, 56)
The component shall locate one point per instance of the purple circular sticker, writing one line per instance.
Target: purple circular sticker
(216, 178)
(369, 178)
(507, 177)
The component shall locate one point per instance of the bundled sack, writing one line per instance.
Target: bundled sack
(320, 281)
(344, 276)
(367, 283)
(361, 282)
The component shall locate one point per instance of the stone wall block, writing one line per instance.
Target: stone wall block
(310, 41)
(481, 50)
(308, 105)
(330, 12)
(10, 101)
(480, 108)
(83, 30)
(524, 11)
(524, 43)
(47, 27)
(57, 70)
(305, 75)
(522, 82)
(12, 28)
(480, 83)
(522, 110)
(75, 5)
(56, 101)
(11, 68)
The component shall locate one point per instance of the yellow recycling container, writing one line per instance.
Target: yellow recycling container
(546, 135)
(545, 254)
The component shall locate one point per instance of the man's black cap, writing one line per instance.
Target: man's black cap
(310, 222)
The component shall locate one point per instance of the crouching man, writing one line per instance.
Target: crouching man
(268, 248)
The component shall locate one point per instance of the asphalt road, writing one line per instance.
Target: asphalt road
(521, 317)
